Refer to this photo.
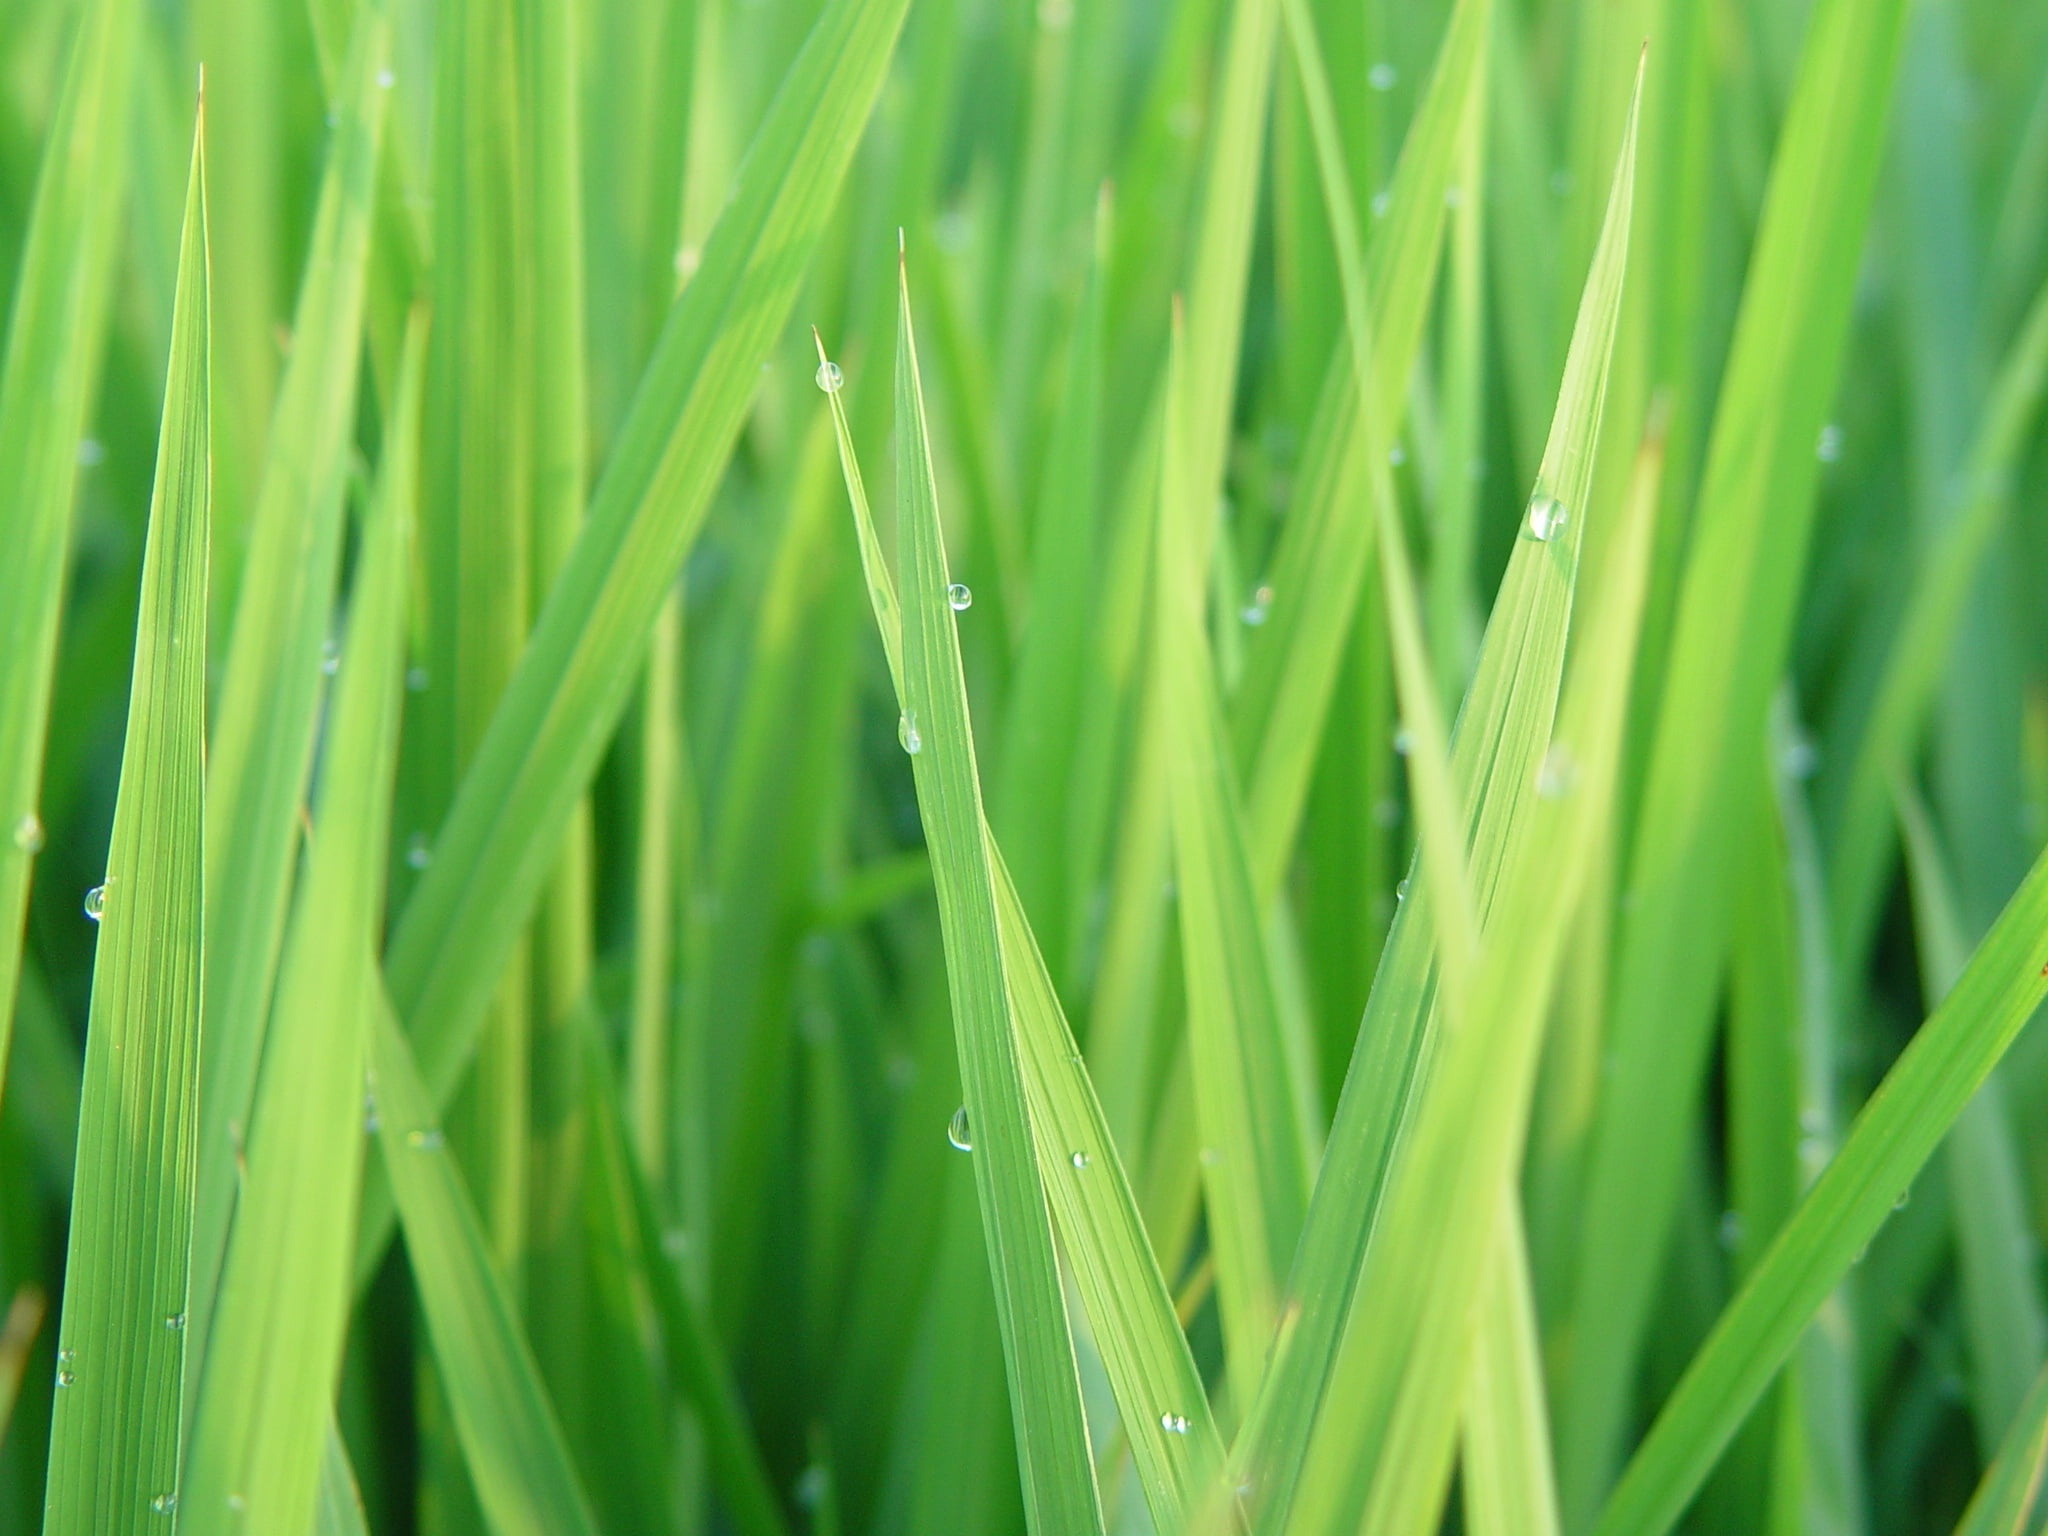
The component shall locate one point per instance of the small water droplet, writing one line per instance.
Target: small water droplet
(1055, 15)
(1800, 759)
(428, 1140)
(1080, 1160)
(236, 1503)
(829, 377)
(1403, 742)
(959, 598)
(164, 1504)
(96, 902)
(675, 1242)
(1381, 202)
(810, 1486)
(1259, 608)
(1560, 183)
(906, 733)
(1401, 891)
(175, 1322)
(1397, 455)
(1546, 518)
(957, 1133)
(1210, 1157)
(1557, 773)
(67, 1367)
(91, 451)
(416, 679)
(28, 833)
(1381, 76)
(1730, 1230)
(1454, 197)
(1905, 1198)
(1829, 448)
(687, 259)
(330, 657)
(1174, 1423)
(417, 853)
(385, 79)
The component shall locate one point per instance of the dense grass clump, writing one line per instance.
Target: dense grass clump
(1221, 768)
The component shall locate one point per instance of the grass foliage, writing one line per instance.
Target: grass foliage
(1235, 768)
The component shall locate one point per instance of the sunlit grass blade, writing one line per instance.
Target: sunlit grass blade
(268, 702)
(1746, 555)
(266, 1395)
(1890, 1141)
(338, 1506)
(518, 1463)
(46, 385)
(1052, 1439)
(2012, 1482)
(1510, 1487)
(504, 831)
(115, 1438)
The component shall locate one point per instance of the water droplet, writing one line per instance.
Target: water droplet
(1454, 197)
(175, 1322)
(1055, 15)
(956, 1131)
(428, 1140)
(1397, 455)
(829, 377)
(1210, 1157)
(1381, 76)
(959, 598)
(1560, 183)
(236, 1503)
(1829, 448)
(1381, 202)
(1080, 1160)
(1905, 1198)
(1387, 813)
(675, 1242)
(1401, 891)
(1259, 608)
(91, 451)
(96, 902)
(1403, 742)
(28, 833)
(1557, 774)
(1730, 1230)
(385, 79)
(1546, 517)
(67, 1367)
(688, 258)
(906, 733)
(164, 1504)
(1174, 1423)
(1800, 759)
(416, 679)
(417, 852)
(330, 657)
(810, 1486)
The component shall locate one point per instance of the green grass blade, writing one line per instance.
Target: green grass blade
(518, 1463)
(2012, 1483)
(1052, 1442)
(1746, 555)
(1510, 1487)
(273, 1353)
(338, 1510)
(115, 1437)
(262, 744)
(46, 385)
(504, 831)
(1889, 1142)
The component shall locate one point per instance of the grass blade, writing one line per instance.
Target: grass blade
(115, 1441)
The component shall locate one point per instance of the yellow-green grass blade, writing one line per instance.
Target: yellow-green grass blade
(1256, 1159)
(1052, 1440)
(338, 1506)
(1860, 823)
(2011, 1484)
(1380, 1450)
(1887, 1145)
(1504, 731)
(1509, 1485)
(115, 1434)
(281, 1310)
(504, 832)
(268, 703)
(1160, 1397)
(1746, 555)
(1292, 659)
(518, 1463)
(1996, 1254)
(47, 379)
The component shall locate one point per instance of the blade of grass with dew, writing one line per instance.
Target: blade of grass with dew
(121, 1343)
(269, 698)
(1402, 1364)
(1996, 1256)
(1756, 502)
(274, 1351)
(1505, 728)
(518, 1463)
(1291, 660)
(504, 830)
(2011, 1484)
(1052, 1442)
(1255, 1165)
(1889, 1142)
(47, 379)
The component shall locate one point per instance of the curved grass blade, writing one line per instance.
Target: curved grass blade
(1052, 1439)
(274, 1351)
(1887, 1145)
(46, 384)
(518, 1462)
(2012, 1483)
(121, 1343)
(1745, 556)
